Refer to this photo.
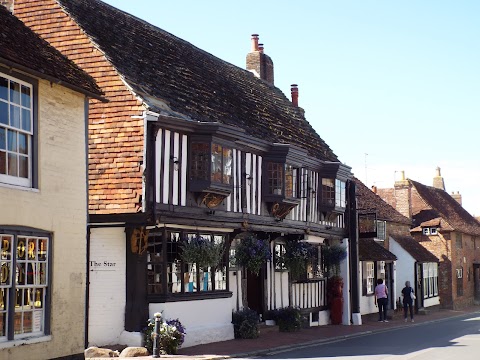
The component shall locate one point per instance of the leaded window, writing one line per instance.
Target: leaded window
(165, 266)
(328, 191)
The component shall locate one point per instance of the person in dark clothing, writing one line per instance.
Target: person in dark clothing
(408, 297)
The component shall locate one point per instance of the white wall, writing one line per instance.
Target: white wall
(107, 271)
(205, 321)
(405, 267)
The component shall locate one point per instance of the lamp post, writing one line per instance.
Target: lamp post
(156, 335)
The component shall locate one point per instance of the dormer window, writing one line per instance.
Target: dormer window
(210, 168)
(429, 231)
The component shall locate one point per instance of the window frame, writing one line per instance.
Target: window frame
(430, 280)
(381, 230)
(32, 180)
(29, 234)
(167, 254)
(368, 273)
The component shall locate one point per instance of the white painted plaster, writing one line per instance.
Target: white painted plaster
(205, 321)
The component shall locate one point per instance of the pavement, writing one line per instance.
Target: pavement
(272, 340)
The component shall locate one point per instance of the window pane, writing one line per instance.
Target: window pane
(27, 322)
(3, 139)
(5, 273)
(23, 167)
(26, 96)
(15, 116)
(12, 165)
(289, 181)
(216, 171)
(21, 248)
(3, 88)
(22, 144)
(26, 120)
(3, 112)
(38, 298)
(42, 253)
(200, 159)
(12, 141)
(227, 165)
(14, 92)
(275, 178)
(3, 162)
(328, 191)
(6, 253)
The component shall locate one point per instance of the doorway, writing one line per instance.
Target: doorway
(255, 291)
(476, 283)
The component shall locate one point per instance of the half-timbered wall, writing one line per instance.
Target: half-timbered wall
(171, 164)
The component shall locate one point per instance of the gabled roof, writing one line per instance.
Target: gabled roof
(367, 199)
(443, 206)
(417, 251)
(161, 67)
(24, 50)
(369, 250)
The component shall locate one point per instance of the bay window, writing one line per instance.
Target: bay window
(210, 167)
(24, 284)
(282, 180)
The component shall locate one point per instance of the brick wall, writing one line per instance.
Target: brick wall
(115, 138)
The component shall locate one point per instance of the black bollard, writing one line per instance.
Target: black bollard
(156, 335)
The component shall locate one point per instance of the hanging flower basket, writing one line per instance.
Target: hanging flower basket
(296, 257)
(332, 257)
(201, 251)
(252, 253)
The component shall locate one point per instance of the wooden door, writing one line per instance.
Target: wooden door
(255, 292)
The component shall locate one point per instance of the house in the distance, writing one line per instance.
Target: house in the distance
(443, 227)
(43, 196)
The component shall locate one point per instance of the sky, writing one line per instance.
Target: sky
(390, 86)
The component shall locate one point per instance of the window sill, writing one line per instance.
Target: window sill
(25, 341)
(18, 187)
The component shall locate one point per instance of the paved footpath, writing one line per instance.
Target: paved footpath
(271, 339)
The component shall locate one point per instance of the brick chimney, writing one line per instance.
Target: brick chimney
(438, 180)
(294, 91)
(258, 62)
(403, 196)
(457, 197)
(9, 4)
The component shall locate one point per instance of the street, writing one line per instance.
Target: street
(447, 339)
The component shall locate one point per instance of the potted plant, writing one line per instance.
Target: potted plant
(252, 253)
(201, 251)
(332, 256)
(289, 319)
(245, 324)
(170, 338)
(271, 317)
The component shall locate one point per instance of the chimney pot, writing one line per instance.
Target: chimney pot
(294, 91)
(254, 42)
(374, 189)
(260, 48)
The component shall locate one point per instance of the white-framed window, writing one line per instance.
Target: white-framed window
(426, 231)
(433, 231)
(430, 279)
(24, 284)
(369, 277)
(381, 230)
(16, 131)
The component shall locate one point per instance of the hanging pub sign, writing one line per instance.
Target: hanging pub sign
(367, 224)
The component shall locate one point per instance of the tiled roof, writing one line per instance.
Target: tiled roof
(370, 250)
(21, 47)
(417, 251)
(367, 199)
(444, 206)
(161, 67)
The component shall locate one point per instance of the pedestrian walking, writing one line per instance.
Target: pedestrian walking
(381, 298)
(408, 297)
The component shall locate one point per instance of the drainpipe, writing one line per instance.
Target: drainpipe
(353, 236)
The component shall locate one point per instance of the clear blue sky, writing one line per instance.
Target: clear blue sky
(389, 85)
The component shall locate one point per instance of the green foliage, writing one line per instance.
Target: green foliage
(201, 251)
(252, 253)
(296, 257)
(171, 336)
(245, 324)
(289, 319)
(332, 256)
